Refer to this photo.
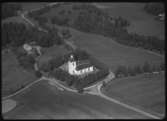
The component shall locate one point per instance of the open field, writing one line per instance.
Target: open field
(13, 76)
(111, 53)
(146, 91)
(141, 22)
(45, 101)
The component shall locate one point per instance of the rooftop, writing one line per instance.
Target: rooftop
(83, 64)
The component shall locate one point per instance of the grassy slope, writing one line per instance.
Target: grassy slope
(146, 91)
(45, 101)
(13, 76)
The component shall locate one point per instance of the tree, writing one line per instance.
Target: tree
(137, 69)
(38, 74)
(162, 66)
(121, 71)
(131, 71)
(146, 67)
(10, 9)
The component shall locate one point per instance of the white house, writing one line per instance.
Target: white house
(79, 67)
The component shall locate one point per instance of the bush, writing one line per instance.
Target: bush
(121, 71)
(154, 8)
(26, 61)
(38, 74)
(146, 67)
(10, 9)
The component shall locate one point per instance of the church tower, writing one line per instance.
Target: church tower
(71, 65)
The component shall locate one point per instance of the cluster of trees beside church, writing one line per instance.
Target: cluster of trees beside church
(10, 9)
(77, 82)
(16, 34)
(155, 8)
(53, 70)
(123, 71)
(55, 62)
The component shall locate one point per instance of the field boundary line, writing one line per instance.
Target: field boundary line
(11, 95)
(125, 105)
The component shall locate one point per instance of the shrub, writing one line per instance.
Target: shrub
(146, 67)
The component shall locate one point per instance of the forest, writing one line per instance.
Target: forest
(10, 9)
(16, 34)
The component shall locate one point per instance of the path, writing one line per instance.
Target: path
(21, 90)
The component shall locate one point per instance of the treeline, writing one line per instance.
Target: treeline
(10, 9)
(26, 61)
(52, 64)
(55, 62)
(16, 34)
(123, 71)
(155, 8)
(103, 25)
(151, 43)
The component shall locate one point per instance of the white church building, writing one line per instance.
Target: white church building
(79, 67)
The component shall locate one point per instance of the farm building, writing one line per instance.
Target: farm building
(31, 48)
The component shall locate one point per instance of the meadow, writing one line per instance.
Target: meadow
(13, 75)
(45, 101)
(146, 91)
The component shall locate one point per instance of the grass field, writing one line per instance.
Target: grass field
(45, 101)
(145, 91)
(13, 76)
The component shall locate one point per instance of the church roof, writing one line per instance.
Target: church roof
(83, 64)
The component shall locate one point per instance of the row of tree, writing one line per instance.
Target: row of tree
(55, 62)
(16, 34)
(155, 8)
(123, 71)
